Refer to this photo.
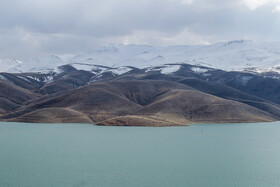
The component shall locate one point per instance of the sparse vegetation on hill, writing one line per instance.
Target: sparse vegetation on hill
(137, 98)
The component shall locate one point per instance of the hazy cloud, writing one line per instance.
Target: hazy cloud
(31, 28)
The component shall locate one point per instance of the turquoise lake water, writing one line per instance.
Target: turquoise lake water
(78, 155)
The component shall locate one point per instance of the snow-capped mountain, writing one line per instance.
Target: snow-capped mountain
(117, 81)
(8, 64)
(239, 55)
(42, 64)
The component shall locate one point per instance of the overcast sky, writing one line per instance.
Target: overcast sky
(30, 28)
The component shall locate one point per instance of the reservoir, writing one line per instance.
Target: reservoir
(79, 155)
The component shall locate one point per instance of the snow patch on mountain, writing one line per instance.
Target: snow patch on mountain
(23, 78)
(165, 69)
(97, 69)
(169, 69)
(199, 70)
(34, 78)
(275, 69)
(120, 70)
(81, 66)
(48, 79)
(157, 68)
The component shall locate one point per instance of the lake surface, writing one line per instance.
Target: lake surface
(78, 155)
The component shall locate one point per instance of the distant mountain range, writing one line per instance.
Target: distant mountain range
(136, 85)
(239, 55)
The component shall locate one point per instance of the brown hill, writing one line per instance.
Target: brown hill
(53, 115)
(15, 93)
(226, 92)
(101, 101)
(12, 97)
(140, 103)
(199, 107)
(138, 120)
